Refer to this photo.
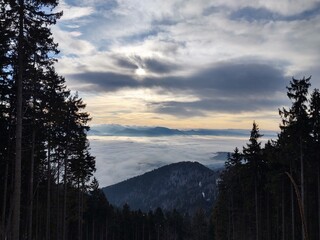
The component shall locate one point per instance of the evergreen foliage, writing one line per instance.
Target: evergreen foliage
(257, 199)
(45, 163)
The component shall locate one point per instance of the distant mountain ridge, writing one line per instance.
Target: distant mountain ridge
(120, 130)
(185, 186)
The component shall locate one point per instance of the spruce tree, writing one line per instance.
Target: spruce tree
(296, 128)
(315, 146)
(253, 155)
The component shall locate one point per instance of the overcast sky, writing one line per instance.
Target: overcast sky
(187, 63)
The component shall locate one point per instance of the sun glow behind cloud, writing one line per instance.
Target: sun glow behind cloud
(140, 72)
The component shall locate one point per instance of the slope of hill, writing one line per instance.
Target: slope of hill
(184, 186)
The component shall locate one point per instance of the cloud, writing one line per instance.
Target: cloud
(73, 12)
(160, 67)
(120, 158)
(224, 78)
(222, 56)
(285, 7)
(233, 105)
(263, 14)
(71, 44)
(225, 87)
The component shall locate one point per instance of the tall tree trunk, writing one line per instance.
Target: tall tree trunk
(79, 211)
(233, 215)
(17, 173)
(302, 182)
(256, 207)
(93, 227)
(292, 206)
(65, 187)
(48, 193)
(229, 216)
(143, 229)
(318, 178)
(283, 211)
(37, 215)
(58, 201)
(64, 214)
(4, 203)
(268, 216)
(30, 208)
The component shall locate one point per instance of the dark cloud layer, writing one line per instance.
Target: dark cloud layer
(227, 87)
(228, 105)
(149, 64)
(262, 14)
(157, 66)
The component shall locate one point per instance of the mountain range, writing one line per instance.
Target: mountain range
(184, 186)
(121, 130)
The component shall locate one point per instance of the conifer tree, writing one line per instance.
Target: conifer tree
(253, 155)
(295, 128)
(315, 135)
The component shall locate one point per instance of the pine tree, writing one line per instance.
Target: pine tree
(295, 128)
(315, 135)
(253, 155)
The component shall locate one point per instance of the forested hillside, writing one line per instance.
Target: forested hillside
(273, 192)
(184, 186)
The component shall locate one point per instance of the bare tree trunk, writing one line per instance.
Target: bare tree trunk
(17, 174)
(318, 176)
(107, 229)
(4, 203)
(143, 230)
(64, 215)
(79, 211)
(48, 193)
(65, 187)
(93, 229)
(58, 201)
(256, 207)
(302, 181)
(37, 216)
(229, 217)
(268, 216)
(283, 211)
(232, 215)
(301, 209)
(30, 210)
(292, 207)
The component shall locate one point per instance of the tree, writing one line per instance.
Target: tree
(315, 135)
(253, 155)
(51, 126)
(295, 127)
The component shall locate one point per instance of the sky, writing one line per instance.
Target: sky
(187, 63)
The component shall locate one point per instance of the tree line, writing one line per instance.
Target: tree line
(45, 163)
(104, 221)
(273, 192)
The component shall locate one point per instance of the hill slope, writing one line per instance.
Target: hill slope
(184, 186)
